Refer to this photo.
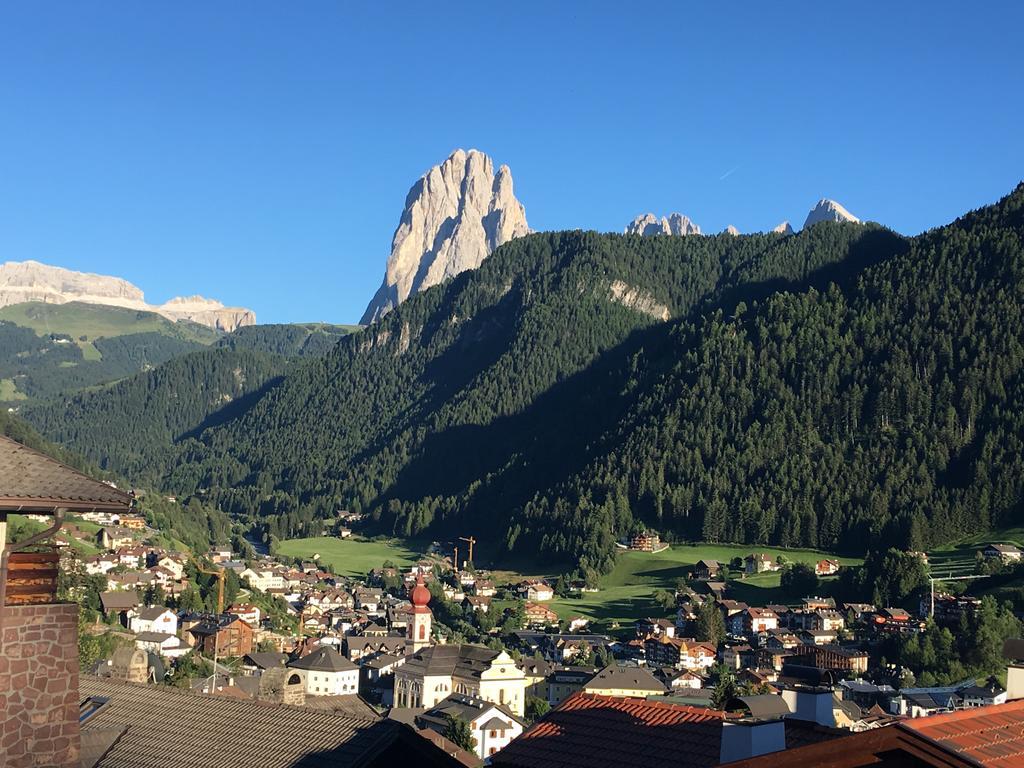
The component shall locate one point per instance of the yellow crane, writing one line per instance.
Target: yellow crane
(471, 540)
(455, 558)
(220, 585)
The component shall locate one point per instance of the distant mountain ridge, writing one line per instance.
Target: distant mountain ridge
(648, 224)
(27, 281)
(454, 217)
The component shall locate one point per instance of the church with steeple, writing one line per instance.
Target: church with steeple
(432, 673)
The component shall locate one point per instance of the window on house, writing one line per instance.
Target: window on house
(491, 751)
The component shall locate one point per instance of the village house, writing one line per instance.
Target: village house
(222, 634)
(111, 537)
(895, 620)
(132, 522)
(757, 620)
(738, 656)
(162, 644)
(679, 653)
(539, 616)
(618, 681)
(474, 603)
(759, 562)
(484, 588)
(325, 672)
(649, 627)
(706, 570)
(262, 579)
(100, 564)
(493, 726)
(1008, 553)
(826, 567)
(119, 603)
(536, 591)
(645, 541)
(247, 612)
(358, 647)
(154, 619)
(564, 682)
(577, 624)
(845, 661)
(368, 599)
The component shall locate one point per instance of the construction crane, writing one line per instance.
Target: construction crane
(220, 585)
(455, 558)
(471, 541)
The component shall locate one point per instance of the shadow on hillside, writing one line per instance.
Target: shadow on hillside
(578, 417)
(233, 410)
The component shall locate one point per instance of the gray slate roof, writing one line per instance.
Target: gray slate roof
(33, 482)
(324, 659)
(165, 727)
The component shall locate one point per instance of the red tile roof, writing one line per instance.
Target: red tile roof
(990, 736)
(592, 731)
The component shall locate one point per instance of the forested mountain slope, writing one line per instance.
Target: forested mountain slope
(130, 427)
(50, 350)
(288, 339)
(443, 399)
(889, 412)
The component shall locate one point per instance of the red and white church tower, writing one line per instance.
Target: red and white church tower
(422, 616)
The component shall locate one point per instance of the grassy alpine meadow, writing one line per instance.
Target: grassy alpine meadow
(627, 593)
(352, 556)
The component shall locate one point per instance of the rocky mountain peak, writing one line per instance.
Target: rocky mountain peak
(32, 281)
(784, 228)
(454, 217)
(829, 210)
(674, 224)
(730, 230)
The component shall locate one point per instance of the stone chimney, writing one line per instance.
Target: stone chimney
(282, 686)
(39, 686)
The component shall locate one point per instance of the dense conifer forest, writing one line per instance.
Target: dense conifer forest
(841, 388)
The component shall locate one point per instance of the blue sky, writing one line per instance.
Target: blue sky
(260, 152)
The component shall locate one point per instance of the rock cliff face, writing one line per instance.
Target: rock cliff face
(674, 224)
(32, 281)
(829, 210)
(207, 312)
(784, 228)
(454, 217)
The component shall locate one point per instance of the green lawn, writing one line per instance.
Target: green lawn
(958, 558)
(350, 557)
(627, 592)
(78, 319)
(9, 390)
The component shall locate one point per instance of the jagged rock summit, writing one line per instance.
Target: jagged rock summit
(730, 230)
(784, 228)
(22, 281)
(674, 224)
(829, 210)
(454, 218)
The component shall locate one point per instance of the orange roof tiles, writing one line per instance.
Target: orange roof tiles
(592, 731)
(990, 736)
